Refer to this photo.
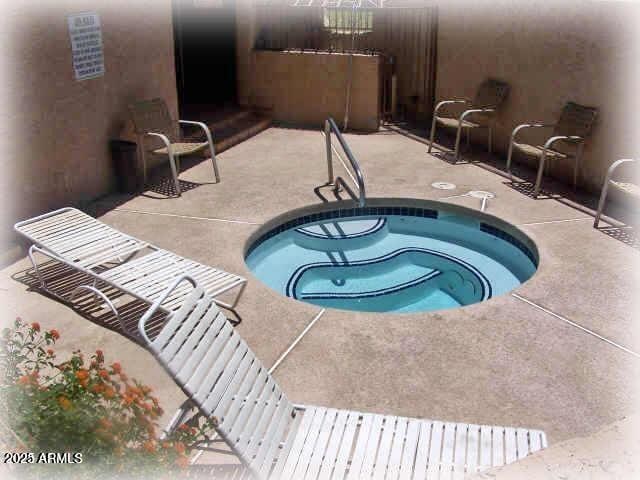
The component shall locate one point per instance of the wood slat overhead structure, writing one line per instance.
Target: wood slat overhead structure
(404, 32)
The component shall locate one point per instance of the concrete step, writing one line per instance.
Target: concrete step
(232, 128)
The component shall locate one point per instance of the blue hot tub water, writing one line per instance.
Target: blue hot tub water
(391, 263)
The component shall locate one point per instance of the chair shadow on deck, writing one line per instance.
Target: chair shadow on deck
(527, 189)
(337, 194)
(62, 280)
(623, 233)
(165, 188)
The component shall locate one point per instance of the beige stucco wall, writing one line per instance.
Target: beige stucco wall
(55, 130)
(245, 37)
(550, 52)
(305, 88)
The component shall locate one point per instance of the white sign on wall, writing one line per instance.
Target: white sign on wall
(86, 45)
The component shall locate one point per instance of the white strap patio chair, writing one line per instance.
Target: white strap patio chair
(629, 188)
(276, 439)
(153, 124)
(107, 255)
(479, 113)
(573, 127)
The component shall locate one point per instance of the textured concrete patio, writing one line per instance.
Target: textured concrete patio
(504, 361)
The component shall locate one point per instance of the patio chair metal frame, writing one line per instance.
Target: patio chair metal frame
(628, 188)
(151, 118)
(106, 255)
(573, 127)
(275, 439)
(490, 95)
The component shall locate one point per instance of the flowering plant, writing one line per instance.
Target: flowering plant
(83, 405)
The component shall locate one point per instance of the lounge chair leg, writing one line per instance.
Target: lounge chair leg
(433, 133)
(98, 293)
(176, 182)
(509, 155)
(233, 304)
(177, 418)
(457, 147)
(601, 202)
(212, 150)
(536, 188)
(32, 258)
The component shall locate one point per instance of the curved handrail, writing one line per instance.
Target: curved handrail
(330, 126)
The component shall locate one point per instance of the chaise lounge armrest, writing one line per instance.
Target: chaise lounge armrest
(156, 305)
(530, 125)
(448, 102)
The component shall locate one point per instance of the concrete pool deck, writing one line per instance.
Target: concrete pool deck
(529, 359)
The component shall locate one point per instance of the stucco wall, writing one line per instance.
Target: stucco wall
(550, 52)
(54, 129)
(305, 88)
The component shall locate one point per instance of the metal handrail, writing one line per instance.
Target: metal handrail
(356, 177)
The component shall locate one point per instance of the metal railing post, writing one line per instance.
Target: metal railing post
(356, 177)
(327, 136)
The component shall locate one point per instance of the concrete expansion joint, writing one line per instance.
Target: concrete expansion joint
(576, 325)
(290, 348)
(189, 217)
(556, 221)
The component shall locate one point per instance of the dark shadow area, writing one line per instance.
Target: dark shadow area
(336, 192)
(526, 188)
(166, 188)
(61, 280)
(625, 234)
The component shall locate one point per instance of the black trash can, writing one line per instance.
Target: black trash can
(125, 164)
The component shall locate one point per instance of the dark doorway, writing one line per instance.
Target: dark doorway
(205, 49)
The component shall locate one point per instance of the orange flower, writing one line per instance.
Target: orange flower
(116, 367)
(149, 446)
(104, 374)
(35, 326)
(54, 333)
(98, 388)
(24, 380)
(183, 427)
(179, 446)
(50, 352)
(64, 402)
(82, 374)
(109, 392)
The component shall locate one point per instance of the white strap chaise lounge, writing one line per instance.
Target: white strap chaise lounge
(107, 255)
(276, 439)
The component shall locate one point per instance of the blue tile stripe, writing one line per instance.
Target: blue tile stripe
(373, 293)
(345, 212)
(379, 225)
(292, 283)
(507, 237)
